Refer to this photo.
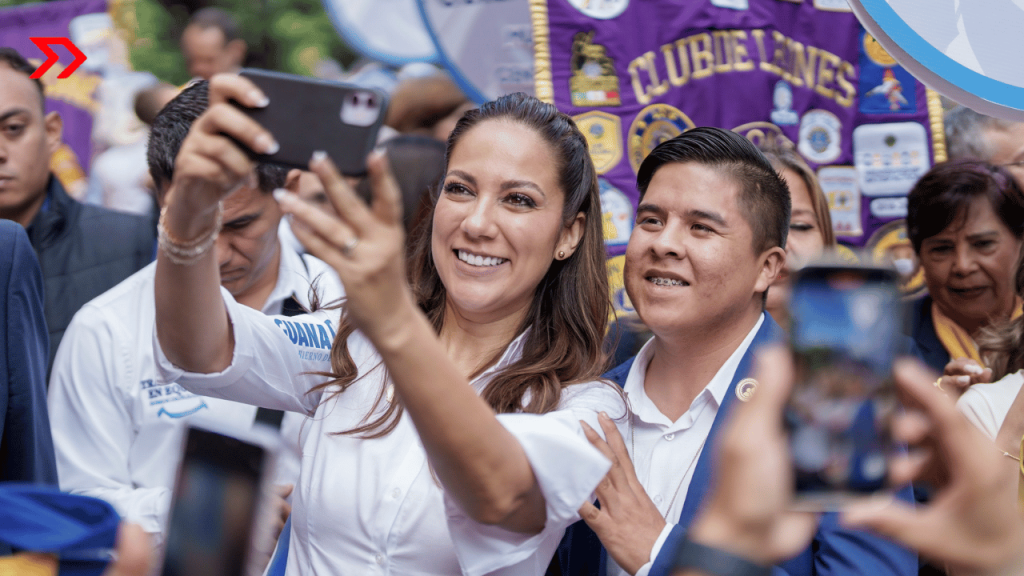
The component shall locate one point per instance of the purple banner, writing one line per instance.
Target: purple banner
(637, 72)
(72, 97)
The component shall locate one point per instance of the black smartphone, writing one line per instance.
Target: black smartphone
(846, 332)
(219, 500)
(306, 115)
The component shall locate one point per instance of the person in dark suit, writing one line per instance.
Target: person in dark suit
(83, 250)
(26, 449)
(709, 240)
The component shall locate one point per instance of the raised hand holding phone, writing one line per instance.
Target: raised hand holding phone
(210, 165)
(364, 244)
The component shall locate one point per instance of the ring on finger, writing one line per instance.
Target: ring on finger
(350, 246)
(938, 383)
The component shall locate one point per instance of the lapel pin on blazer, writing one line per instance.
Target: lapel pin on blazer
(745, 389)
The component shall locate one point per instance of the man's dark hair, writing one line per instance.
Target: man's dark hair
(216, 18)
(172, 125)
(17, 62)
(764, 198)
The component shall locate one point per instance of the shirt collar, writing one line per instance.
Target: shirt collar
(719, 386)
(513, 352)
(292, 280)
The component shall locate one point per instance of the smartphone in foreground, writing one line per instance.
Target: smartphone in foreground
(306, 115)
(218, 502)
(846, 332)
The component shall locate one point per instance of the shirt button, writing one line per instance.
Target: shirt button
(669, 436)
(380, 559)
(657, 499)
(396, 493)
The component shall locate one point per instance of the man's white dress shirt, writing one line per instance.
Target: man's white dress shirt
(117, 426)
(373, 506)
(666, 452)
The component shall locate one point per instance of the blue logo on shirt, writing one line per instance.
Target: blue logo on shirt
(308, 335)
(165, 412)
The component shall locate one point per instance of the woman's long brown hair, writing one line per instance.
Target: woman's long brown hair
(569, 312)
(784, 157)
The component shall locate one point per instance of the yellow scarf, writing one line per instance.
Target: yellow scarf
(955, 339)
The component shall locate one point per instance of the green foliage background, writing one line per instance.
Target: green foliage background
(285, 35)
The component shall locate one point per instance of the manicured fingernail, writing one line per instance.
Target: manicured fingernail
(605, 416)
(974, 368)
(258, 99)
(319, 156)
(963, 380)
(266, 144)
(282, 195)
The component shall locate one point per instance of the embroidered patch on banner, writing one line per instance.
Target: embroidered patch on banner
(890, 157)
(782, 104)
(888, 208)
(890, 244)
(594, 81)
(652, 126)
(616, 214)
(885, 87)
(600, 9)
(604, 138)
(622, 308)
(732, 4)
(839, 183)
(764, 133)
(833, 5)
(820, 136)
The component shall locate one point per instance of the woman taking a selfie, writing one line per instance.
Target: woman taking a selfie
(966, 222)
(444, 435)
(810, 226)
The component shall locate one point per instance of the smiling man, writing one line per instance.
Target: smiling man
(83, 250)
(709, 240)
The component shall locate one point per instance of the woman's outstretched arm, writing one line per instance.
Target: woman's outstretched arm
(192, 324)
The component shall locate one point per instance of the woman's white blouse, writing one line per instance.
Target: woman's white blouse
(986, 405)
(372, 506)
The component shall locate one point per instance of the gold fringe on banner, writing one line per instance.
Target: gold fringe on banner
(544, 86)
(935, 115)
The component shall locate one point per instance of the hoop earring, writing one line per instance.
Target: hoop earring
(561, 254)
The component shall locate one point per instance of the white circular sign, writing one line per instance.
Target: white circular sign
(964, 49)
(600, 9)
(391, 31)
(486, 46)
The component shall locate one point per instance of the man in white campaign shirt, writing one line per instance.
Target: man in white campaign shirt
(117, 425)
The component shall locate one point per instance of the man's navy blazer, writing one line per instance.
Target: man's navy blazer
(26, 449)
(834, 550)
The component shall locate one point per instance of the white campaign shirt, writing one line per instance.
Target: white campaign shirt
(667, 452)
(117, 426)
(373, 506)
(986, 405)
